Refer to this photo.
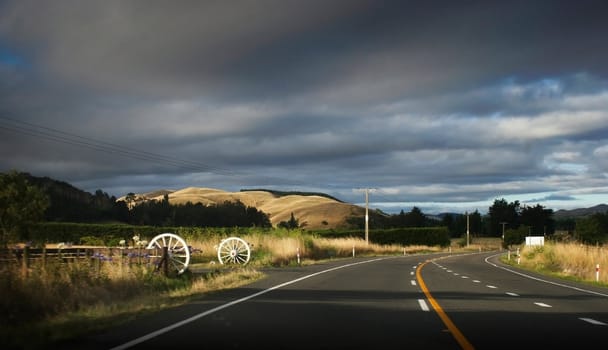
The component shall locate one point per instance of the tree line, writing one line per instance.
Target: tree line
(508, 220)
(227, 214)
(25, 198)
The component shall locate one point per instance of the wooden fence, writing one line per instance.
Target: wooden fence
(24, 256)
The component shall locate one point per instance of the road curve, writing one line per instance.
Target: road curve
(498, 306)
(430, 301)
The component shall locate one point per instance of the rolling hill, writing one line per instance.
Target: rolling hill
(314, 211)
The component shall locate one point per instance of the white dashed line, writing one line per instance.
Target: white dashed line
(592, 321)
(512, 294)
(491, 286)
(413, 282)
(464, 277)
(476, 281)
(542, 304)
(423, 305)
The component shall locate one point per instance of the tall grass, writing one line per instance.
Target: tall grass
(289, 248)
(567, 260)
(58, 300)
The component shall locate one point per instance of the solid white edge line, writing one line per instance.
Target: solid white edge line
(221, 307)
(540, 279)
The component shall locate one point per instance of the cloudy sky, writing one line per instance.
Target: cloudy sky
(443, 105)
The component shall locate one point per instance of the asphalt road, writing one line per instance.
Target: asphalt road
(431, 301)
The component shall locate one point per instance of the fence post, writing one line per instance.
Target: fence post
(97, 262)
(165, 261)
(597, 272)
(44, 256)
(298, 255)
(25, 262)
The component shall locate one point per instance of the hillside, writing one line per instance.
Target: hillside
(580, 212)
(315, 211)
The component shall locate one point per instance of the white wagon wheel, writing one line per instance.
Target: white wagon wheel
(233, 250)
(178, 251)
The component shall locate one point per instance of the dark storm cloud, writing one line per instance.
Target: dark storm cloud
(276, 47)
(429, 101)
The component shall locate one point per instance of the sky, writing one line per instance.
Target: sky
(442, 105)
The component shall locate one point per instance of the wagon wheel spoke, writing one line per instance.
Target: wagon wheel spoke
(177, 250)
(234, 250)
(178, 264)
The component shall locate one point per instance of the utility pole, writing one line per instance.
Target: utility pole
(367, 190)
(366, 216)
(467, 228)
(503, 230)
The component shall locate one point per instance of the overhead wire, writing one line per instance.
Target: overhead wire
(51, 134)
(98, 145)
(55, 135)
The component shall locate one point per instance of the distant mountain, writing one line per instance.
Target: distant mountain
(441, 216)
(559, 214)
(581, 212)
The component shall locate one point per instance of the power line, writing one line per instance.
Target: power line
(55, 135)
(102, 146)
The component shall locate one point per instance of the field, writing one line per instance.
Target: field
(61, 300)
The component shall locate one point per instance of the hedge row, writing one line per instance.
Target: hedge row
(111, 234)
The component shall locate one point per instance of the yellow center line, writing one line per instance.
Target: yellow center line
(460, 338)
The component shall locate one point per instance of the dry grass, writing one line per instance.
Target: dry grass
(292, 248)
(316, 212)
(566, 260)
(59, 301)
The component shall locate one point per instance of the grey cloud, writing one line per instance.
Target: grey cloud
(444, 101)
(210, 47)
(555, 197)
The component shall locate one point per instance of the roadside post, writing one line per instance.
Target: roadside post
(597, 272)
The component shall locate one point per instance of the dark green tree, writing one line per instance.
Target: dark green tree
(475, 224)
(515, 236)
(20, 205)
(415, 218)
(448, 221)
(538, 219)
(592, 229)
(291, 224)
(502, 211)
